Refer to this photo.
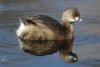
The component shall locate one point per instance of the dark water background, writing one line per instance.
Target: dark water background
(87, 33)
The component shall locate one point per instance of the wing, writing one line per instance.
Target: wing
(47, 21)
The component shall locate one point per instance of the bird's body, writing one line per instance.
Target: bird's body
(42, 27)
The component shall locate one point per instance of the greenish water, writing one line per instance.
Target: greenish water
(87, 33)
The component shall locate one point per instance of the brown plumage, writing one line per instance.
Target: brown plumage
(42, 27)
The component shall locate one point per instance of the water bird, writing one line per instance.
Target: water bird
(42, 27)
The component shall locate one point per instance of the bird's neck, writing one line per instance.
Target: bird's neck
(69, 29)
(67, 24)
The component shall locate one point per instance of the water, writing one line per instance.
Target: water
(87, 33)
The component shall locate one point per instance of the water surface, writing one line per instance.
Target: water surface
(87, 33)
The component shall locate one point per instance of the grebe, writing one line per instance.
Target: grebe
(42, 27)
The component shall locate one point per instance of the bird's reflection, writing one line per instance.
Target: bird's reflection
(41, 48)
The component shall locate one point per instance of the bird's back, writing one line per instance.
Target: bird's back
(49, 22)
